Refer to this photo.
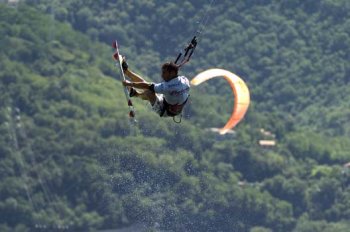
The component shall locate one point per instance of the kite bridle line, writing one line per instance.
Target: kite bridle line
(189, 49)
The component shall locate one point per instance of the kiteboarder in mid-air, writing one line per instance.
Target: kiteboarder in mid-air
(167, 97)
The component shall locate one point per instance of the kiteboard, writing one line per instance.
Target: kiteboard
(119, 59)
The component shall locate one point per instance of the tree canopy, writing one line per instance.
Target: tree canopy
(69, 159)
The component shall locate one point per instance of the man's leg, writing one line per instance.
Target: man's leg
(133, 76)
(157, 102)
(148, 96)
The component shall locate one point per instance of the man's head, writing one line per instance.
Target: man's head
(169, 71)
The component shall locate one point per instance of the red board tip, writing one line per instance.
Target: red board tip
(116, 56)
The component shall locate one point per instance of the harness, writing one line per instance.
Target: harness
(173, 110)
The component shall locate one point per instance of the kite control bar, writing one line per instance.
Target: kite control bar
(188, 52)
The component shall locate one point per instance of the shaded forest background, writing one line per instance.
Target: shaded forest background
(69, 160)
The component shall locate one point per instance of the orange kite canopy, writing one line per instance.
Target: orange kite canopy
(240, 91)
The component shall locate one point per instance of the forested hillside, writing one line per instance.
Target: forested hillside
(70, 160)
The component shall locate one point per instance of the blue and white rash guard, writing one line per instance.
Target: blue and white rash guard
(175, 91)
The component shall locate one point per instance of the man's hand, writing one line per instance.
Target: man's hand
(127, 83)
